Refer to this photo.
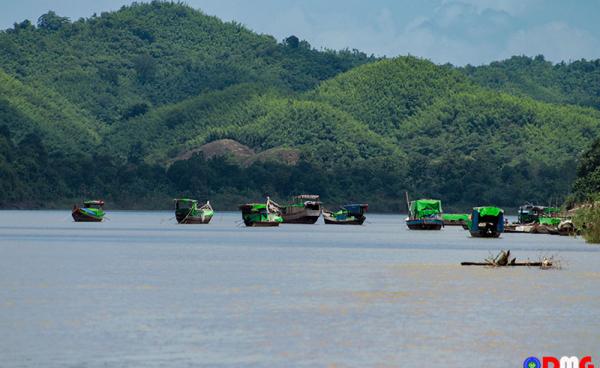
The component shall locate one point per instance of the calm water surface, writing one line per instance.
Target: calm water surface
(140, 291)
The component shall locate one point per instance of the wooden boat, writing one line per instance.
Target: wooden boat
(90, 211)
(563, 227)
(424, 214)
(530, 213)
(188, 212)
(455, 219)
(486, 222)
(260, 214)
(305, 209)
(534, 219)
(350, 214)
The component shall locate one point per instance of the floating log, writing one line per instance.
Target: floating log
(503, 260)
(516, 264)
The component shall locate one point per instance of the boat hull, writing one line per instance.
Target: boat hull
(79, 216)
(184, 219)
(424, 224)
(356, 221)
(485, 234)
(301, 216)
(454, 223)
(262, 224)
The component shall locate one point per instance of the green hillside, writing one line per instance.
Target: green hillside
(122, 106)
(384, 94)
(26, 109)
(495, 147)
(122, 63)
(577, 82)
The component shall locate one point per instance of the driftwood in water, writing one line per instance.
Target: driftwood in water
(503, 260)
(529, 264)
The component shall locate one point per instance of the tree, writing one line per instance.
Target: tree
(51, 21)
(145, 67)
(292, 42)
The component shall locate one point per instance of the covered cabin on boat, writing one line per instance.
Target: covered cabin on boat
(423, 208)
(185, 203)
(95, 203)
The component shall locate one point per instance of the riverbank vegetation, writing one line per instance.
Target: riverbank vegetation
(586, 194)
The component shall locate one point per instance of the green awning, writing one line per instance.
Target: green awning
(489, 211)
(552, 221)
(426, 207)
(455, 217)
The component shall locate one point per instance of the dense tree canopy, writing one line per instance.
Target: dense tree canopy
(108, 106)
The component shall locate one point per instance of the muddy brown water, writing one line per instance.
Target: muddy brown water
(141, 291)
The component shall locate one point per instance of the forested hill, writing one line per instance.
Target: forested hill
(159, 100)
(122, 63)
(575, 83)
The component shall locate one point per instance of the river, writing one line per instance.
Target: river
(139, 290)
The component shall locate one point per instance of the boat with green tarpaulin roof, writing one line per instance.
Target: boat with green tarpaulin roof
(188, 212)
(424, 214)
(90, 211)
(260, 214)
(350, 214)
(486, 222)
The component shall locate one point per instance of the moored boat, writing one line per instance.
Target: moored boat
(486, 222)
(260, 214)
(424, 214)
(305, 209)
(350, 214)
(188, 212)
(90, 211)
(529, 213)
(535, 219)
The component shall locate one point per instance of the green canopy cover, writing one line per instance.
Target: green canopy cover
(489, 211)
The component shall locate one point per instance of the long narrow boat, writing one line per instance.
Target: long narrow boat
(188, 212)
(424, 214)
(486, 222)
(260, 214)
(350, 214)
(455, 219)
(305, 209)
(90, 211)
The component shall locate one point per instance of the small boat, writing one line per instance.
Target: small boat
(350, 214)
(486, 222)
(530, 213)
(534, 219)
(305, 209)
(188, 212)
(260, 214)
(424, 214)
(455, 219)
(91, 211)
